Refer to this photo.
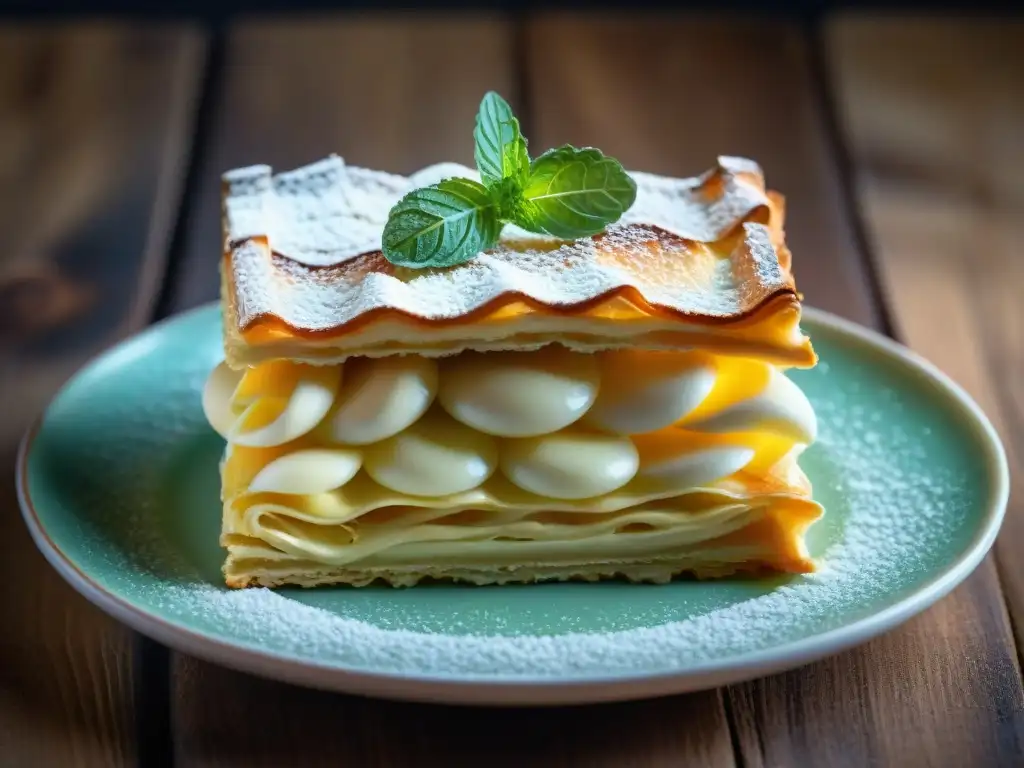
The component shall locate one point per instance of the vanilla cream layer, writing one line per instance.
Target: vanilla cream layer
(318, 455)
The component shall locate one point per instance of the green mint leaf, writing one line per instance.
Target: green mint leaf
(441, 225)
(574, 193)
(500, 147)
(566, 193)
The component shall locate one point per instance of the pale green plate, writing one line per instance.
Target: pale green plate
(119, 487)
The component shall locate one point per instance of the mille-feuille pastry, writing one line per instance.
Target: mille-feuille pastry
(610, 406)
(546, 369)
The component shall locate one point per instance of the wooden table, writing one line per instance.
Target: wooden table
(898, 141)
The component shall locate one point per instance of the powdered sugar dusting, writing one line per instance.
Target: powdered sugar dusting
(324, 222)
(877, 493)
(899, 477)
(328, 212)
(563, 276)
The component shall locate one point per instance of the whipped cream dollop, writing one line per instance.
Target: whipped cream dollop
(679, 463)
(436, 456)
(556, 423)
(570, 464)
(647, 391)
(308, 471)
(519, 394)
(269, 405)
(380, 397)
(780, 408)
(218, 399)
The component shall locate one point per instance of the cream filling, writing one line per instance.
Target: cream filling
(647, 391)
(570, 464)
(519, 394)
(279, 402)
(309, 471)
(436, 456)
(373, 458)
(380, 397)
(560, 406)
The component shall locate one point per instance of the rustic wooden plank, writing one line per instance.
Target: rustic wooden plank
(217, 727)
(934, 114)
(667, 95)
(95, 123)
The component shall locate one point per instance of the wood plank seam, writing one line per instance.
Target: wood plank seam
(171, 187)
(754, 753)
(522, 95)
(774, 741)
(154, 742)
(814, 35)
(153, 688)
(1007, 614)
(202, 132)
(1000, 411)
(739, 758)
(95, 116)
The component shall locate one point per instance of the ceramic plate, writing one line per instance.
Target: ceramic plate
(119, 487)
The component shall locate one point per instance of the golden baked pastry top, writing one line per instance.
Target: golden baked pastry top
(694, 261)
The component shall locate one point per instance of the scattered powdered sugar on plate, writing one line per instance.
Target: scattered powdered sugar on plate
(874, 537)
(894, 503)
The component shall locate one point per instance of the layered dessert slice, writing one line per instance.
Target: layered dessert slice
(613, 405)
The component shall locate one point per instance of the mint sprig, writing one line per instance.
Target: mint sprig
(442, 224)
(566, 192)
(574, 193)
(500, 147)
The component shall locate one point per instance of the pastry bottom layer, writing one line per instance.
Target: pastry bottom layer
(707, 533)
(770, 543)
(660, 570)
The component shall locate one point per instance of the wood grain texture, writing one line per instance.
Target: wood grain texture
(934, 114)
(667, 95)
(94, 123)
(217, 727)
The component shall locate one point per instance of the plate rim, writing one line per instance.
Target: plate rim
(544, 691)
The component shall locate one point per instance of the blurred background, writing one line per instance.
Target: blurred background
(221, 8)
(895, 131)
